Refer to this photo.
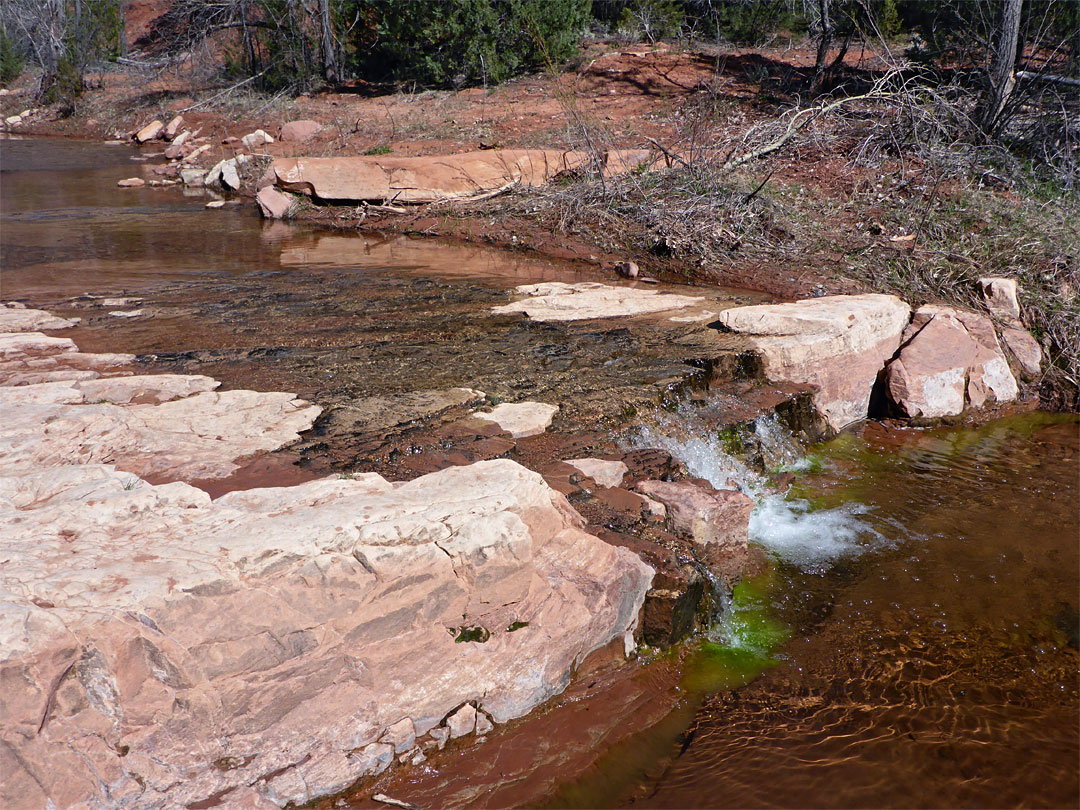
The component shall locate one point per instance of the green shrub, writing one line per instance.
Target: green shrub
(11, 61)
(465, 42)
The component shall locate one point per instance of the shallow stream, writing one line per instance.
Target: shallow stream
(914, 639)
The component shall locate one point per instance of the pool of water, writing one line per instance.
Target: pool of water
(913, 645)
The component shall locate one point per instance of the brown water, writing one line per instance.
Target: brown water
(922, 653)
(932, 659)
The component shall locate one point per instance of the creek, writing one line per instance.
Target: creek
(913, 638)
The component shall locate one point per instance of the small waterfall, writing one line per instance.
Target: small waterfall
(789, 528)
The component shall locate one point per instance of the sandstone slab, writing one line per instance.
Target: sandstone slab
(837, 343)
(422, 179)
(950, 361)
(1025, 348)
(160, 649)
(18, 318)
(150, 131)
(173, 127)
(521, 419)
(559, 301)
(605, 473)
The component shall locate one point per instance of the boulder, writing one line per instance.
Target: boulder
(1000, 297)
(150, 132)
(253, 140)
(714, 518)
(1025, 349)
(435, 178)
(274, 204)
(173, 127)
(604, 473)
(192, 177)
(160, 649)
(950, 361)
(836, 343)
(299, 131)
(558, 301)
(521, 419)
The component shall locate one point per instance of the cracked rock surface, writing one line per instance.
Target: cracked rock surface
(161, 649)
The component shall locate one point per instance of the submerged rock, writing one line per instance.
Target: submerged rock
(950, 361)
(274, 204)
(161, 648)
(521, 419)
(558, 301)
(838, 343)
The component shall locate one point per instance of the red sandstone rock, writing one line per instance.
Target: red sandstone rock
(299, 131)
(950, 361)
(173, 127)
(273, 203)
(1025, 349)
(838, 343)
(716, 517)
(150, 132)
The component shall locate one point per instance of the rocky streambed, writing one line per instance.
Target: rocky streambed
(220, 595)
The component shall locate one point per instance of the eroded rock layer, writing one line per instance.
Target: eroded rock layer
(162, 649)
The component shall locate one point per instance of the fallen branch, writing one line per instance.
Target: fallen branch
(226, 91)
(800, 120)
(1047, 77)
(671, 156)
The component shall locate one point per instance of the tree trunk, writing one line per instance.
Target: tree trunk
(821, 64)
(329, 47)
(1002, 79)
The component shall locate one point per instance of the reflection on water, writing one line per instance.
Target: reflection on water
(936, 667)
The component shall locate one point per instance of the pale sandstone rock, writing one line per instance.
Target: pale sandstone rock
(401, 735)
(160, 649)
(215, 204)
(131, 182)
(20, 319)
(150, 131)
(31, 357)
(483, 724)
(950, 361)
(253, 140)
(193, 177)
(199, 436)
(714, 519)
(126, 313)
(837, 343)
(462, 722)
(1000, 297)
(274, 204)
(558, 301)
(422, 179)
(1025, 349)
(521, 419)
(173, 127)
(117, 390)
(604, 473)
(196, 153)
(299, 131)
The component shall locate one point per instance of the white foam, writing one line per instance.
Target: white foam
(788, 528)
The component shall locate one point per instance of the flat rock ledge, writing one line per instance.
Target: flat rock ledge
(159, 649)
(837, 343)
(558, 301)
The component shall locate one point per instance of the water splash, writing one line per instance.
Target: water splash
(790, 528)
